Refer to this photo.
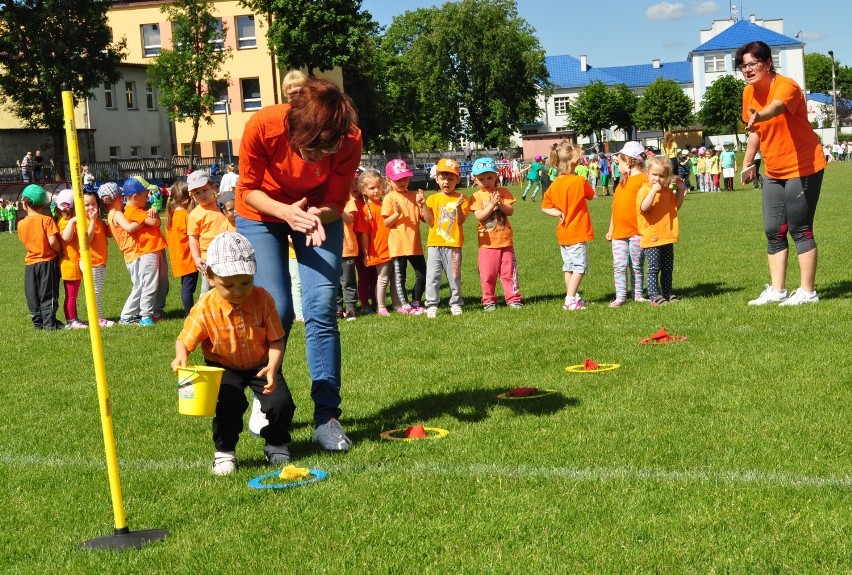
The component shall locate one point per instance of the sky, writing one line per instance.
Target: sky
(627, 32)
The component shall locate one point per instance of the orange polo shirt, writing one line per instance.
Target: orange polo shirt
(369, 221)
(659, 225)
(267, 163)
(624, 207)
(404, 237)
(789, 146)
(123, 239)
(236, 337)
(205, 222)
(149, 239)
(178, 241)
(69, 261)
(34, 231)
(568, 193)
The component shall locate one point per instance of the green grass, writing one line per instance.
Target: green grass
(728, 453)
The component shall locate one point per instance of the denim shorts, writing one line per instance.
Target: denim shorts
(575, 258)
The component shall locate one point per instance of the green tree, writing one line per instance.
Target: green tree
(818, 73)
(465, 70)
(45, 44)
(599, 107)
(623, 103)
(722, 104)
(188, 77)
(363, 80)
(663, 106)
(314, 35)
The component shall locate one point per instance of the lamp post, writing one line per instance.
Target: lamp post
(227, 131)
(834, 98)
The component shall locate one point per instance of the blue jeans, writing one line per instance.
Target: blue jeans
(319, 268)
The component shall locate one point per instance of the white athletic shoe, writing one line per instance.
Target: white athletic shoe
(257, 420)
(800, 297)
(456, 309)
(224, 462)
(769, 295)
(432, 312)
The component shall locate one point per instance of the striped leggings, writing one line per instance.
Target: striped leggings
(627, 251)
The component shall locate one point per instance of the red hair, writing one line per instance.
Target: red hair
(321, 115)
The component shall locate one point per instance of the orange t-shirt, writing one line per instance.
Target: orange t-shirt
(446, 229)
(205, 223)
(658, 225)
(149, 239)
(788, 144)
(123, 239)
(350, 240)
(404, 237)
(568, 193)
(178, 241)
(98, 250)
(69, 261)
(267, 163)
(624, 207)
(369, 221)
(495, 231)
(227, 226)
(34, 231)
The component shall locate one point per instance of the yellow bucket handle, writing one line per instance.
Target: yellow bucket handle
(187, 380)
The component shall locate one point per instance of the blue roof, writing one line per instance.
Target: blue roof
(565, 73)
(826, 99)
(743, 32)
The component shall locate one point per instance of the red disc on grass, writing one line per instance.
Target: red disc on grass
(523, 391)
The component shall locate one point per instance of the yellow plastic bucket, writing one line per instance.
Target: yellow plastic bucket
(198, 390)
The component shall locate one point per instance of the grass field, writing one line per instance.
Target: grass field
(729, 453)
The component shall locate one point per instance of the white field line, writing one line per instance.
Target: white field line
(590, 474)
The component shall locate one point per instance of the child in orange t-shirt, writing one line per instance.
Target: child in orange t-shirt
(657, 206)
(623, 229)
(40, 237)
(98, 232)
(205, 220)
(183, 267)
(69, 260)
(403, 212)
(566, 199)
(348, 294)
(492, 206)
(373, 239)
(149, 271)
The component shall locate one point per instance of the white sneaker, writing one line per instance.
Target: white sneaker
(432, 312)
(799, 297)
(456, 309)
(257, 420)
(769, 295)
(224, 462)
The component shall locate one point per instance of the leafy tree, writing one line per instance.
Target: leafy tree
(721, 106)
(663, 106)
(818, 73)
(465, 70)
(623, 103)
(363, 80)
(315, 35)
(599, 107)
(47, 43)
(188, 76)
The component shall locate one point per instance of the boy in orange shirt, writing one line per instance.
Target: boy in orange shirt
(492, 206)
(149, 272)
(205, 220)
(349, 274)
(40, 237)
(445, 213)
(566, 199)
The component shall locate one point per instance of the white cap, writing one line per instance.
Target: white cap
(196, 179)
(231, 254)
(633, 150)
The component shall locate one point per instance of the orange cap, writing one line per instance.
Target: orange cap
(447, 165)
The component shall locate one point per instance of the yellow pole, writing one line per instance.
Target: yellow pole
(92, 309)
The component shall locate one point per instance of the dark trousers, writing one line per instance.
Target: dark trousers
(367, 278)
(348, 293)
(188, 283)
(232, 404)
(41, 286)
(399, 268)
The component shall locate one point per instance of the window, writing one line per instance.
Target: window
(714, 63)
(109, 96)
(114, 152)
(155, 151)
(251, 93)
(218, 38)
(134, 151)
(150, 40)
(185, 150)
(776, 60)
(245, 32)
(529, 131)
(561, 129)
(219, 90)
(130, 95)
(150, 100)
(560, 103)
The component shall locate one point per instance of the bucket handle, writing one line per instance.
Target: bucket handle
(188, 379)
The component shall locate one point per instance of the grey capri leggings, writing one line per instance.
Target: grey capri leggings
(789, 206)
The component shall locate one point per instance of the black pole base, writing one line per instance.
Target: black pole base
(125, 539)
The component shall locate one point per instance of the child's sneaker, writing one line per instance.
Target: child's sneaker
(331, 437)
(145, 322)
(383, 312)
(490, 307)
(257, 419)
(224, 462)
(574, 304)
(75, 324)
(299, 318)
(404, 309)
(350, 315)
(516, 305)
(277, 455)
(456, 309)
(658, 301)
(640, 298)
(432, 312)
(417, 311)
(800, 297)
(617, 303)
(104, 322)
(131, 321)
(367, 310)
(769, 295)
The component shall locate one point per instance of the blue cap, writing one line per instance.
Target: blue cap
(132, 186)
(484, 165)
